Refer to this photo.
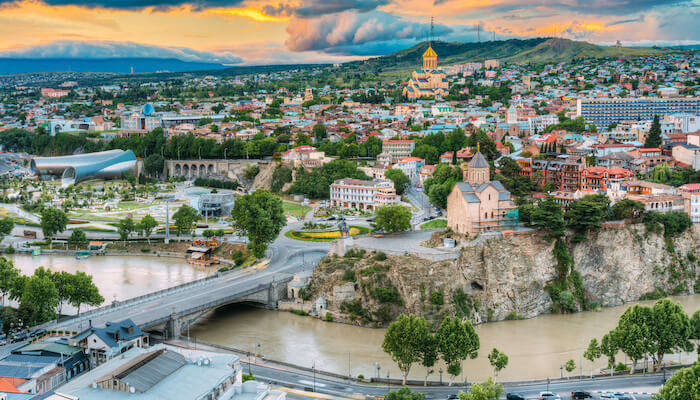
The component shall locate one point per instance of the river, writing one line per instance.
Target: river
(117, 277)
(536, 347)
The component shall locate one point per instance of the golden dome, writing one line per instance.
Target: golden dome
(430, 53)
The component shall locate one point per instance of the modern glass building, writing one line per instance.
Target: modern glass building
(81, 167)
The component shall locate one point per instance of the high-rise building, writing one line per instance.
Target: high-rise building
(606, 111)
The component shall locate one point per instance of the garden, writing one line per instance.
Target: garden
(326, 235)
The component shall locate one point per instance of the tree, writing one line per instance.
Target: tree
(456, 341)
(53, 221)
(695, 325)
(41, 293)
(154, 164)
(593, 352)
(428, 354)
(439, 186)
(392, 218)
(63, 281)
(6, 226)
(653, 139)
(146, 226)
(633, 333)
(185, 217)
(609, 347)
(488, 390)
(8, 275)
(627, 209)
(402, 341)
(586, 214)
(84, 291)
(670, 330)
(401, 180)
(126, 227)
(549, 216)
(683, 385)
(260, 216)
(498, 361)
(569, 365)
(319, 131)
(77, 238)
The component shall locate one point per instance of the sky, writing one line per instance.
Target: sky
(252, 32)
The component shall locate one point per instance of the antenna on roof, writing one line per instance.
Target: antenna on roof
(478, 32)
(432, 20)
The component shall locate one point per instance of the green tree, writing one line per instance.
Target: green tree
(260, 216)
(593, 352)
(586, 214)
(403, 340)
(84, 291)
(401, 180)
(146, 226)
(77, 238)
(63, 281)
(653, 139)
(548, 216)
(392, 218)
(41, 293)
(683, 385)
(694, 323)
(125, 228)
(456, 341)
(569, 365)
(633, 330)
(498, 361)
(428, 354)
(627, 209)
(154, 164)
(609, 346)
(53, 221)
(8, 275)
(319, 132)
(6, 226)
(185, 218)
(439, 186)
(670, 330)
(488, 390)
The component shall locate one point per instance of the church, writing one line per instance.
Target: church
(430, 81)
(478, 204)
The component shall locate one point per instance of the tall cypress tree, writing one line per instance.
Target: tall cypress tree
(654, 137)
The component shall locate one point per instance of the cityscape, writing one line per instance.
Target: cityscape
(349, 199)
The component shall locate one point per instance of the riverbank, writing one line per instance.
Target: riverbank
(536, 347)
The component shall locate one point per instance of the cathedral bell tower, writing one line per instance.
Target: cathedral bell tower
(430, 58)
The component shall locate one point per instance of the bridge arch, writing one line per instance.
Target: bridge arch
(178, 170)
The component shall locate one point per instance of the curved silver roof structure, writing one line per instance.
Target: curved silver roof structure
(113, 167)
(56, 165)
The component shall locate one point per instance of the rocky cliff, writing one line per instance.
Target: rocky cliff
(506, 277)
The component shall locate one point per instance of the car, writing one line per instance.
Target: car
(607, 396)
(514, 396)
(580, 394)
(549, 396)
(623, 396)
(453, 396)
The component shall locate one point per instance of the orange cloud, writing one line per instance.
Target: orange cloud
(252, 13)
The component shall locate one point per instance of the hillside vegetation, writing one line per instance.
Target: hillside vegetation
(538, 50)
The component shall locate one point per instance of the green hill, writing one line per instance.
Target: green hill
(539, 50)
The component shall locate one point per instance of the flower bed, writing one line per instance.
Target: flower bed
(326, 236)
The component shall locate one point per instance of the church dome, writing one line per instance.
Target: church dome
(430, 53)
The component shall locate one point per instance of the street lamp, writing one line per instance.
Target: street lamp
(313, 368)
(388, 383)
(378, 367)
(561, 371)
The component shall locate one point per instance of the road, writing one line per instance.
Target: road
(640, 386)
(422, 203)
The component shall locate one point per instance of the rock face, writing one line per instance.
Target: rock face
(505, 277)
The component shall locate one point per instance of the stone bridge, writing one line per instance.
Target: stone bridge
(171, 310)
(192, 169)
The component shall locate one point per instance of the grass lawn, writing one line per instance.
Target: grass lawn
(434, 224)
(295, 209)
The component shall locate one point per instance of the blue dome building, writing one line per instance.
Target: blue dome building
(147, 109)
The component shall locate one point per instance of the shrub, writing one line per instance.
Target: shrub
(437, 297)
(248, 377)
(328, 317)
(655, 295)
(380, 256)
(355, 253)
(620, 367)
(360, 376)
(299, 312)
(387, 294)
(145, 250)
(513, 316)
(349, 275)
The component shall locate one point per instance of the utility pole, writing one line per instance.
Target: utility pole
(167, 220)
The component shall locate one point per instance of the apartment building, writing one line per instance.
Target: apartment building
(398, 149)
(362, 195)
(605, 111)
(691, 200)
(601, 178)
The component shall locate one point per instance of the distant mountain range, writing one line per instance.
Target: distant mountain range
(536, 50)
(117, 65)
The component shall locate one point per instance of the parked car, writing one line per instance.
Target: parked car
(514, 396)
(37, 333)
(623, 396)
(581, 394)
(549, 396)
(453, 396)
(607, 396)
